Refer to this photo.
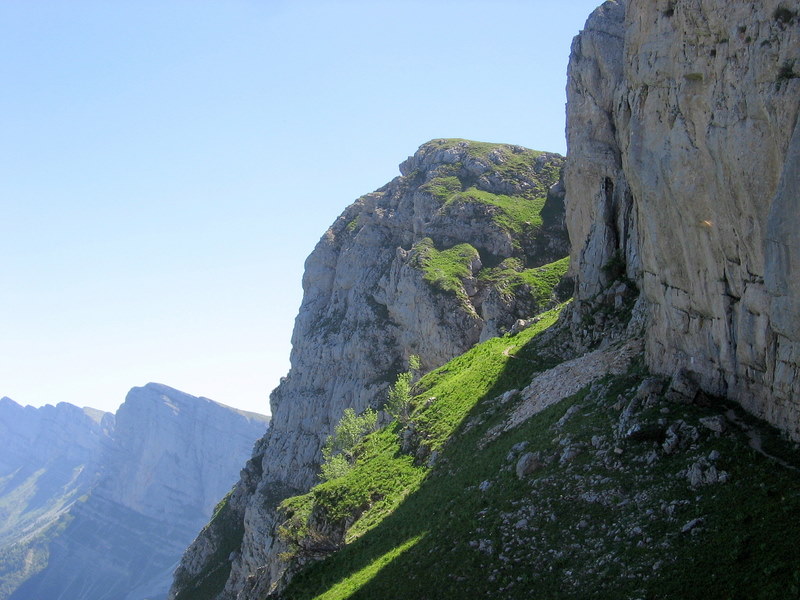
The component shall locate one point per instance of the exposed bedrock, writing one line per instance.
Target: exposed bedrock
(684, 149)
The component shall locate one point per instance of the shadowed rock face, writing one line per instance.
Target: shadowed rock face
(684, 148)
(105, 504)
(373, 295)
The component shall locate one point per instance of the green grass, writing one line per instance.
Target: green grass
(509, 160)
(516, 214)
(487, 369)
(343, 509)
(451, 184)
(352, 225)
(605, 524)
(442, 187)
(355, 581)
(540, 282)
(445, 269)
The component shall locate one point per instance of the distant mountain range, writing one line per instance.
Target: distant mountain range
(100, 506)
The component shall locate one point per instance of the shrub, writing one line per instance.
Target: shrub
(398, 402)
(338, 453)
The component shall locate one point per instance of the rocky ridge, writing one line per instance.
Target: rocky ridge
(96, 505)
(453, 251)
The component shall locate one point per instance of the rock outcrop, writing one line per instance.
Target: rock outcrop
(441, 257)
(105, 504)
(684, 150)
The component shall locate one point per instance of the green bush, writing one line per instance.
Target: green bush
(398, 403)
(338, 453)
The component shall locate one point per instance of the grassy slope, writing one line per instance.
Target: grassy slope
(606, 523)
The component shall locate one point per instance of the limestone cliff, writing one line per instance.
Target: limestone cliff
(684, 150)
(95, 505)
(447, 254)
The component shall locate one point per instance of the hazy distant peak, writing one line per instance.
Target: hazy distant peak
(137, 486)
(178, 400)
(165, 389)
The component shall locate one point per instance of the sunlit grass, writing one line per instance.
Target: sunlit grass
(351, 584)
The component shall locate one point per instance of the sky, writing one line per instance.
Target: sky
(166, 166)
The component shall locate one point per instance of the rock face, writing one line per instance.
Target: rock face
(110, 502)
(441, 257)
(684, 150)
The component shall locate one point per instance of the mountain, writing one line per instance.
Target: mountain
(49, 459)
(607, 447)
(97, 505)
(469, 239)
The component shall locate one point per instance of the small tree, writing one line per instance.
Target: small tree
(338, 453)
(398, 403)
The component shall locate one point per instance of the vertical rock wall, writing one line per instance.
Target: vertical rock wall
(684, 147)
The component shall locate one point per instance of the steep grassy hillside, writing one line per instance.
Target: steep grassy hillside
(613, 492)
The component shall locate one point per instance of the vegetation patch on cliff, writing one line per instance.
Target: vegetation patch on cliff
(511, 181)
(513, 213)
(447, 269)
(510, 161)
(226, 530)
(540, 282)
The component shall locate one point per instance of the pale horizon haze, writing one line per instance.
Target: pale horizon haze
(167, 166)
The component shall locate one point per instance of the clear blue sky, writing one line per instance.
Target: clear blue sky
(166, 167)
